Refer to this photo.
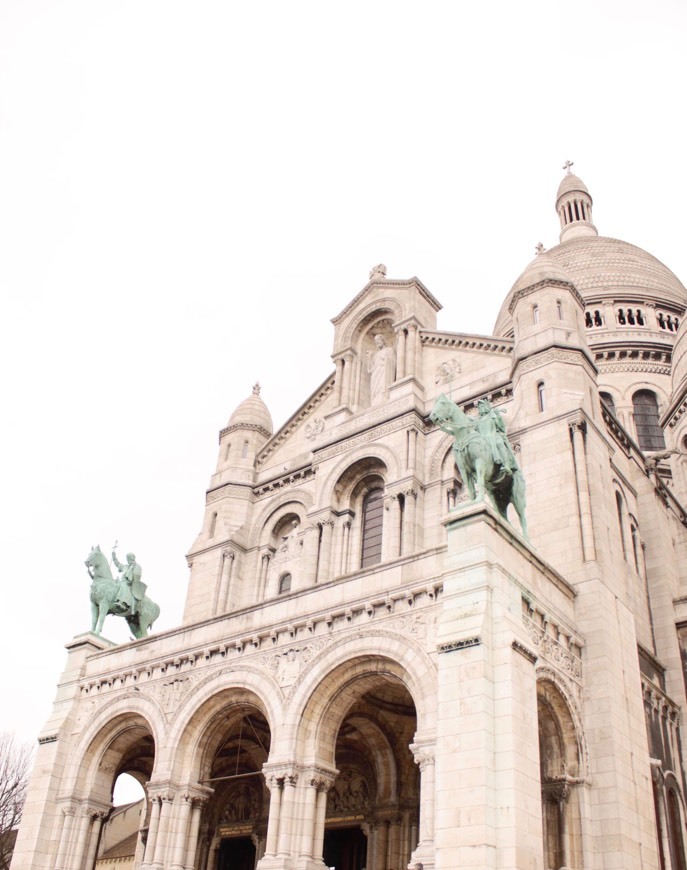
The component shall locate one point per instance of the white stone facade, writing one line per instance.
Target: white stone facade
(374, 669)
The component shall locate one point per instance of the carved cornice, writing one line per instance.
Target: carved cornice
(229, 490)
(291, 425)
(464, 341)
(540, 285)
(540, 358)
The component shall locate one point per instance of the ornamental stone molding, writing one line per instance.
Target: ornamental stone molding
(541, 360)
(305, 411)
(560, 648)
(229, 490)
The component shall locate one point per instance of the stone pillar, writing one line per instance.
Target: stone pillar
(82, 836)
(98, 816)
(485, 671)
(69, 812)
(152, 830)
(182, 826)
(324, 785)
(275, 785)
(382, 845)
(413, 353)
(577, 431)
(309, 817)
(338, 381)
(163, 832)
(391, 532)
(311, 546)
(347, 380)
(423, 753)
(225, 581)
(409, 517)
(401, 354)
(192, 843)
(344, 535)
(286, 817)
(324, 572)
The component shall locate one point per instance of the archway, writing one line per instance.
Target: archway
(373, 806)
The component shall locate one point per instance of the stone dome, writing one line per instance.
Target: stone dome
(569, 184)
(542, 268)
(252, 412)
(601, 267)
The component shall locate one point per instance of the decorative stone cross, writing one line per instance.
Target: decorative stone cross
(567, 165)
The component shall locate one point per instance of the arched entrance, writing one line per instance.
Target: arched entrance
(373, 806)
(235, 824)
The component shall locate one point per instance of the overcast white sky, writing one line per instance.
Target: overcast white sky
(189, 192)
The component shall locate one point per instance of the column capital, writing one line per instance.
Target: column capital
(196, 794)
(423, 752)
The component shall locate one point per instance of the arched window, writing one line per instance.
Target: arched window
(541, 400)
(636, 543)
(621, 520)
(649, 432)
(213, 524)
(373, 513)
(677, 848)
(559, 309)
(608, 401)
(284, 584)
(244, 451)
(535, 314)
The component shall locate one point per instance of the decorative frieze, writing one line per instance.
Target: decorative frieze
(553, 642)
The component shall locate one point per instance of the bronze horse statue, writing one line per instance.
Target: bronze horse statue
(483, 455)
(104, 589)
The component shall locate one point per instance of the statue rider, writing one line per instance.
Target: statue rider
(131, 590)
(492, 428)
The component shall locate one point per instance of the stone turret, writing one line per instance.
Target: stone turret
(248, 430)
(574, 207)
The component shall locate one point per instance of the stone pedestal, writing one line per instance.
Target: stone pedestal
(487, 753)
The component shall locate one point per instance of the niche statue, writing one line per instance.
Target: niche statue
(483, 455)
(124, 596)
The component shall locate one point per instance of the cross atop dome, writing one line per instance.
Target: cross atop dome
(567, 165)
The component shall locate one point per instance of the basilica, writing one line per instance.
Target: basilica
(379, 668)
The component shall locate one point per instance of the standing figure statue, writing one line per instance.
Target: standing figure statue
(131, 589)
(484, 455)
(124, 597)
(381, 366)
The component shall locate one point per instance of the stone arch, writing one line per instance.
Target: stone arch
(300, 502)
(373, 451)
(321, 698)
(564, 704)
(439, 456)
(243, 683)
(106, 744)
(561, 760)
(388, 307)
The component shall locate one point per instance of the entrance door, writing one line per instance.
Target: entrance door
(345, 849)
(236, 853)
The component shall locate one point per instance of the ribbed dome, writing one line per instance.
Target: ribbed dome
(252, 411)
(571, 183)
(602, 267)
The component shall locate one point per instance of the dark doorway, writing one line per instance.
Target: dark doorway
(236, 853)
(345, 849)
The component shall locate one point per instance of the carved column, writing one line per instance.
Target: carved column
(338, 381)
(309, 817)
(324, 572)
(275, 785)
(310, 548)
(413, 353)
(391, 532)
(344, 535)
(401, 354)
(424, 758)
(192, 844)
(67, 827)
(163, 832)
(264, 569)
(347, 372)
(98, 816)
(382, 845)
(577, 431)
(225, 581)
(325, 783)
(152, 830)
(183, 819)
(409, 525)
(286, 816)
(82, 837)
